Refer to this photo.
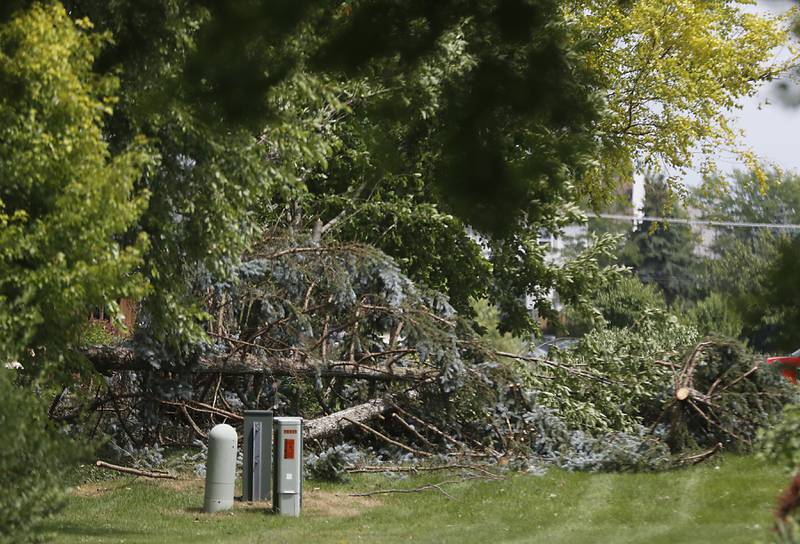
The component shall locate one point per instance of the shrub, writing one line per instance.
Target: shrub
(33, 460)
(621, 304)
(330, 465)
(781, 442)
(715, 315)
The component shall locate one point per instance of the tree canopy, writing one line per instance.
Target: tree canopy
(671, 74)
(449, 135)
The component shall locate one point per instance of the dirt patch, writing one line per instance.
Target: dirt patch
(324, 504)
(336, 505)
(101, 488)
(187, 484)
(318, 503)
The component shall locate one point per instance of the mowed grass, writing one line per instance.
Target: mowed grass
(727, 500)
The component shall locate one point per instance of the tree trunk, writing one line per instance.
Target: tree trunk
(328, 425)
(107, 359)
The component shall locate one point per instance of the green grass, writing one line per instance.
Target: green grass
(727, 500)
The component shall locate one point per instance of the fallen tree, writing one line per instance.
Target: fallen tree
(107, 359)
(720, 396)
(341, 337)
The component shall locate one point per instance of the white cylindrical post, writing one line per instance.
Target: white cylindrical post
(220, 468)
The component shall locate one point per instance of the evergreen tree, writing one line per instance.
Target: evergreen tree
(663, 253)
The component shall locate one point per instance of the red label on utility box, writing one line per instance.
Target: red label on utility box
(288, 448)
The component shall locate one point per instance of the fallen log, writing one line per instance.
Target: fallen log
(106, 359)
(326, 426)
(390, 440)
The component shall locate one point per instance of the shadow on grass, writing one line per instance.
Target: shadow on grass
(262, 507)
(86, 530)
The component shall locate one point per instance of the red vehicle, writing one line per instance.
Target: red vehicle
(789, 364)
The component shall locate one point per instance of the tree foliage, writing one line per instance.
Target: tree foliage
(326, 187)
(752, 269)
(662, 253)
(66, 199)
(620, 304)
(629, 384)
(33, 463)
(782, 297)
(716, 315)
(672, 73)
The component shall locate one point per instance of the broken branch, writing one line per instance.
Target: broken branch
(136, 471)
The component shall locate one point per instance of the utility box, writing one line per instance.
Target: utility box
(257, 445)
(287, 496)
(220, 468)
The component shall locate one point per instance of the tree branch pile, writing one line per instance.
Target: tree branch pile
(720, 396)
(339, 336)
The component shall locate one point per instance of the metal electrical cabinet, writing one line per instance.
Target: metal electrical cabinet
(257, 462)
(287, 495)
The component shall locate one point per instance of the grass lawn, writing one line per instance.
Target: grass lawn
(726, 500)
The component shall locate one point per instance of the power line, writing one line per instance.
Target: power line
(700, 222)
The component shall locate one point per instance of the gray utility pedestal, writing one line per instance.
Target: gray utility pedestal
(288, 495)
(257, 462)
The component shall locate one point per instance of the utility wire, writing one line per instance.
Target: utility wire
(702, 222)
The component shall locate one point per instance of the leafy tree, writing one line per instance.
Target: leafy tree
(487, 319)
(476, 114)
(671, 74)
(715, 315)
(205, 173)
(782, 295)
(628, 41)
(621, 304)
(745, 263)
(738, 275)
(65, 199)
(222, 93)
(748, 197)
(780, 442)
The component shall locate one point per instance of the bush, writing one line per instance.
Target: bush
(621, 305)
(716, 316)
(781, 442)
(33, 460)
